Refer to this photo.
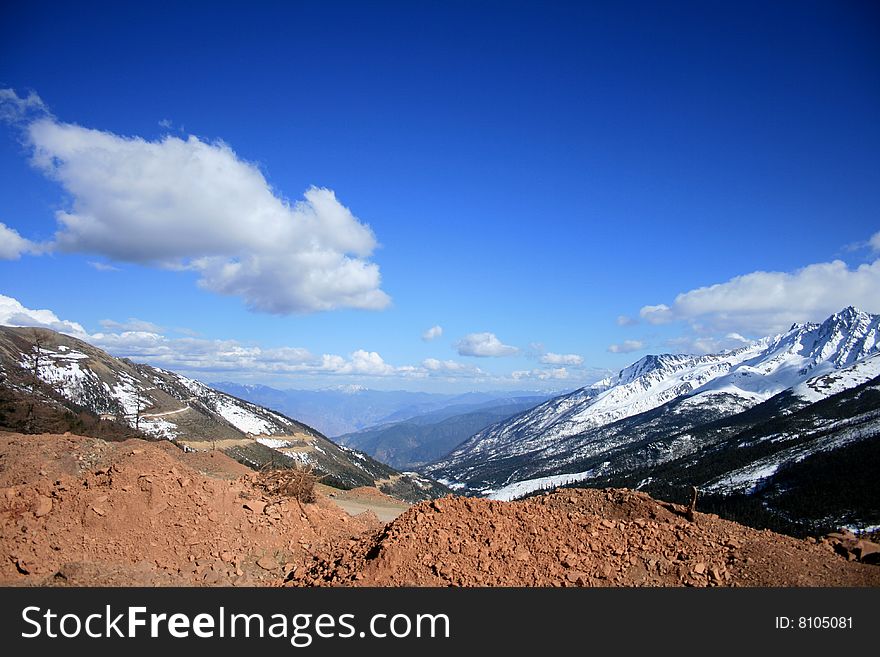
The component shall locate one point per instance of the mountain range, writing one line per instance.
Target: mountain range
(347, 409)
(62, 371)
(789, 398)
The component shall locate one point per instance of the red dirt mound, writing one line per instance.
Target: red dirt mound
(81, 511)
(578, 538)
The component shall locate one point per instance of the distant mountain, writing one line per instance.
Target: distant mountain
(667, 409)
(346, 409)
(425, 438)
(171, 406)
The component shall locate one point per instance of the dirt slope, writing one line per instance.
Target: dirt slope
(364, 498)
(81, 511)
(579, 538)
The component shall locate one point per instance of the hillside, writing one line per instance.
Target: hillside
(166, 405)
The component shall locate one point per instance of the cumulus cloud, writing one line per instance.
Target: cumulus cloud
(874, 242)
(190, 204)
(484, 345)
(626, 347)
(13, 245)
(626, 320)
(562, 359)
(13, 313)
(432, 333)
(361, 362)
(762, 303)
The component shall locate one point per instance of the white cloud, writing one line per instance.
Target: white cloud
(562, 359)
(626, 347)
(13, 245)
(762, 303)
(874, 242)
(558, 373)
(451, 367)
(483, 345)
(203, 355)
(432, 333)
(12, 313)
(626, 320)
(143, 341)
(659, 314)
(361, 362)
(434, 365)
(133, 324)
(195, 205)
(197, 354)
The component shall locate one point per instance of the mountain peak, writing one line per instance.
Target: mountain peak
(849, 315)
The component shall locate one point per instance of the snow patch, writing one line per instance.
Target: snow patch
(452, 485)
(274, 443)
(519, 488)
(159, 428)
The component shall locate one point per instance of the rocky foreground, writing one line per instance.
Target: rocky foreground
(81, 511)
(85, 512)
(583, 537)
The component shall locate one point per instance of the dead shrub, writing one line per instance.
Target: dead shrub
(297, 482)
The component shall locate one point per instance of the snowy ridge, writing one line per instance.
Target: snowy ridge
(248, 418)
(823, 386)
(812, 360)
(127, 393)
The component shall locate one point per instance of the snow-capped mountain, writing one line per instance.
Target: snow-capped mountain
(171, 406)
(586, 433)
(794, 466)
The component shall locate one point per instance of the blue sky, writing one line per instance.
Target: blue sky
(295, 193)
